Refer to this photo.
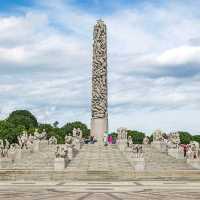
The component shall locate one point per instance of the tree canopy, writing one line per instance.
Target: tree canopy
(185, 137)
(136, 136)
(23, 118)
(9, 131)
(196, 138)
(20, 120)
(68, 127)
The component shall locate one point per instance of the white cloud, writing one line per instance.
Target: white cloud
(45, 62)
(180, 55)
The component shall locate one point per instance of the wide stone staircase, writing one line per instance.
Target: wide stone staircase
(96, 162)
(157, 161)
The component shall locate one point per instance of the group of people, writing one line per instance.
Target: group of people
(191, 151)
(108, 139)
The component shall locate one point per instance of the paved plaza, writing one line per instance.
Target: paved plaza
(100, 190)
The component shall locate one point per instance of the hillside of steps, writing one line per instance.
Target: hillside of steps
(98, 162)
(42, 160)
(157, 161)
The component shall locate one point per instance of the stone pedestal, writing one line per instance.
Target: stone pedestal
(18, 154)
(163, 147)
(43, 144)
(156, 145)
(12, 155)
(122, 147)
(98, 128)
(69, 153)
(59, 164)
(176, 154)
(5, 163)
(139, 164)
(36, 145)
(195, 163)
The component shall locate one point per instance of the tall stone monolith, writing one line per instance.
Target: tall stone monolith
(99, 121)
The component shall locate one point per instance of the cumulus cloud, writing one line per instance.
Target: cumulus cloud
(179, 56)
(154, 79)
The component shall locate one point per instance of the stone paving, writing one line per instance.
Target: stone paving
(174, 190)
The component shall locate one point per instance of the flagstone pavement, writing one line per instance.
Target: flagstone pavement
(148, 190)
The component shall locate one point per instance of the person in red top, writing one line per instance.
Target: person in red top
(185, 150)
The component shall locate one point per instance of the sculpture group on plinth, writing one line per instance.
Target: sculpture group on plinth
(122, 138)
(133, 152)
(65, 153)
(145, 140)
(38, 143)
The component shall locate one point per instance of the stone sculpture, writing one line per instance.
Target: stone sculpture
(157, 135)
(12, 152)
(60, 158)
(193, 150)
(174, 138)
(52, 140)
(68, 139)
(60, 152)
(7, 145)
(74, 132)
(122, 138)
(1, 143)
(99, 121)
(40, 136)
(79, 133)
(146, 140)
(76, 143)
(69, 151)
(22, 140)
(130, 142)
(3, 150)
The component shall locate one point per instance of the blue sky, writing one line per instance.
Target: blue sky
(153, 61)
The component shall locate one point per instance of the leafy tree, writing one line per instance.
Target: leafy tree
(185, 137)
(55, 124)
(136, 136)
(69, 127)
(20, 120)
(196, 138)
(48, 127)
(23, 118)
(9, 131)
(59, 134)
(151, 138)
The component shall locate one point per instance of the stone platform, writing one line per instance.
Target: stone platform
(99, 163)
